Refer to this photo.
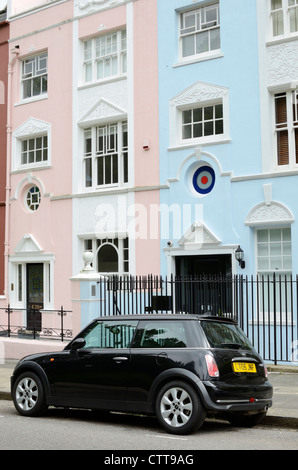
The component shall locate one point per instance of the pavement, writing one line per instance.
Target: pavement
(283, 413)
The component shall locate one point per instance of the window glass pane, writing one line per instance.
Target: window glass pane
(202, 42)
(218, 111)
(20, 282)
(88, 72)
(278, 23)
(162, 334)
(100, 173)
(282, 148)
(197, 130)
(276, 4)
(263, 250)
(208, 128)
(186, 134)
(286, 233)
(189, 21)
(221, 334)
(262, 235)
(186, 116)
(281, 110)
(188, 47)
(109, 334)
(219, 127)
(275, 235)
(215, 39)
(197, 114)
(107, 259)
(293, 19)
(263, 264)
(208, 113)
(88, 172)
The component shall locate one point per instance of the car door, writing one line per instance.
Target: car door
(96, 374)
(158, 346)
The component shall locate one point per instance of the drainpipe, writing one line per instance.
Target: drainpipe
(15, 52)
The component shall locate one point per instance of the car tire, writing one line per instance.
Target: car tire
(246, 421)
(28, 395)
(179, 409)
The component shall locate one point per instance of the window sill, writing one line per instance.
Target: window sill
(281, 40)
(103, 81)
(199, 58)
(196, 143)
(32, 100)
(26, 168)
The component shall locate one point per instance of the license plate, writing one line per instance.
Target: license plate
(244, 367)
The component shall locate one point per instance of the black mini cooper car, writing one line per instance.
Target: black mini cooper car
(179, 367)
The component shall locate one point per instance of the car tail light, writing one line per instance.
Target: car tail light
(211, 366)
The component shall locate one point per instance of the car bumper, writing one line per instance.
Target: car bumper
(219, 396)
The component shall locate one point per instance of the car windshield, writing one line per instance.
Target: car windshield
(225, 335)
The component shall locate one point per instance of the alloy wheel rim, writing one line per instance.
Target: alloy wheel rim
(26, 394)
(176, 407)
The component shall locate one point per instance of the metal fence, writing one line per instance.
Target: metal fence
(39, 323)
(265, 307)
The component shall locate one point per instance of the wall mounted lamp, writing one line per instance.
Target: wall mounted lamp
(239, 255)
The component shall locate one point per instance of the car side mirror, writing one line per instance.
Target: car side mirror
(77, 344)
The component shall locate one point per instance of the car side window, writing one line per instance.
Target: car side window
(161, 334)
(110, 334)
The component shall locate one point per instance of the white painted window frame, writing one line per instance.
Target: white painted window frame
(284, 11)
(31, 129)
(290, 126)
(197, 95)
(210, 53)
(94, 54)
(37, 73)
(95, 154)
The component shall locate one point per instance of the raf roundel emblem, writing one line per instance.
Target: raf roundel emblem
(203, 180)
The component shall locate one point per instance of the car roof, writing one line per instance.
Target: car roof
(167, 316)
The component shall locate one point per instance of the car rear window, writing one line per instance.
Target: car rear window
(225, 335)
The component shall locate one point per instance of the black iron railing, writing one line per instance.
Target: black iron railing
(265, 307)
(42, 323)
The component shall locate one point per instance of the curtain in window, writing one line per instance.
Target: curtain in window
(281, 129)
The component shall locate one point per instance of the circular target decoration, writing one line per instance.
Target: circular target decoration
(203, 180)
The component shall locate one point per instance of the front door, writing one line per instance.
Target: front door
(204, 283)
(34, 295)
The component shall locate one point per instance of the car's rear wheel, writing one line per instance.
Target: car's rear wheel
(179, 409)
(28, 395)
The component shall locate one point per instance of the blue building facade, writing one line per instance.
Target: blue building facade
(221, 134)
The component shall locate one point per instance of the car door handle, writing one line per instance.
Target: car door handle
(120, 358)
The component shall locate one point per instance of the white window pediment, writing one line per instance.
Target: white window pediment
(31, 127)
(28, 245)
(102, 111)
(274, 213)
(200, 93)
(87, 6)
(199, 235)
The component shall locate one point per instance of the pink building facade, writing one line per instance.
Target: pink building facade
(83, 165)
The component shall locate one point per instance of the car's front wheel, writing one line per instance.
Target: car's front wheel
(179, 409)
(28, 395)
